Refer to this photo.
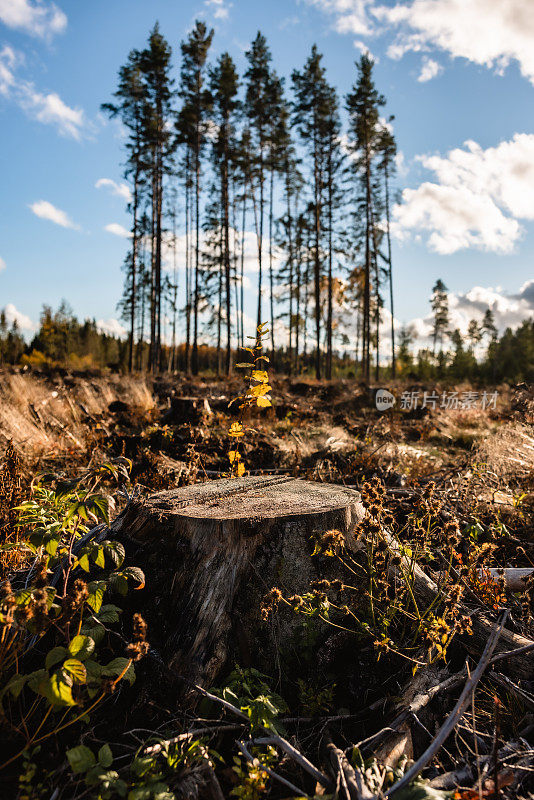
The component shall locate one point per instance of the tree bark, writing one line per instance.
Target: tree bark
(221, 546)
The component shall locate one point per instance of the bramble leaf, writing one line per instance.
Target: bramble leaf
(54, 656)
(76, 669)
(81, 758)
(81, 647)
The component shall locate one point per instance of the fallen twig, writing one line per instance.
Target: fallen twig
(272, 773)
(455, 715)
(272, 739)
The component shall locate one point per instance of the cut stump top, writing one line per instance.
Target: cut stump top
(260, 497)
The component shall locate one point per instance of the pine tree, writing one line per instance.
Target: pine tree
(224, 84)
(192, 129)
(440, 309)
(292, 185)
(155, 63)
(488, 325)
(131, 100)
(388, 150)
(363, 105)
(258, 110)
(312, 114)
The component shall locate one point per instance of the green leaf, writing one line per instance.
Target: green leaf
(76, 669)
(135, 574)
(99, 558)
(81, 758)
(81, 647)
(98, 506)
(96, 594)
(93, 668)
(119, 583)
(15, 685)
(56, 691)
(23, 597)
(115, 551)
(109, 614)
(116, 667)
(54, 656)
(95, 631)
(83, 562)
(105, 756)
(51, 545)
(35, 679)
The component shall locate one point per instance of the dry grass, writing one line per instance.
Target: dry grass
(41, 418)
(508, 452)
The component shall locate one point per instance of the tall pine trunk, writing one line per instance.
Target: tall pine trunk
(317, 267)
(390, 275)
(135, 244)
(242, 281)
(291, 259)
(153, 296)
(367, 282)
(187, 353)
(226, 245)
(194, 364)
(329, 320)
(271, 281)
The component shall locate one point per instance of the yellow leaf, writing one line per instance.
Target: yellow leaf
(263, 402)
(234, 455)
(261, 388)
(260, 375)
(240, 469)
(236, 429)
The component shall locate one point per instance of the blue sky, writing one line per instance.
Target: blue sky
(453, 72)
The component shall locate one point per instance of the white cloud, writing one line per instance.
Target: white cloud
(219, 8)
(492, 33)
(2, 264)
(8, 60)
(49, 108)
(430, 69)
(351, 16)
(117, 230)
(289, 22)
(120, 189)
(14, 315)
(477, 201)
(488, 32)
(45, 210)
(36, 18)
(112, 327)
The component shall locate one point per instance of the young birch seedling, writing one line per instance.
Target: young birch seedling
(256, 394)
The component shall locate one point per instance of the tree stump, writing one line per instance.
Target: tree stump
(218, 547)
(187, 409)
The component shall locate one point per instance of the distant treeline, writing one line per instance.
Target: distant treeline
(62, 341)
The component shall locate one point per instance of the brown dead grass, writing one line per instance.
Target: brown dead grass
(41, 418)
(508, 452)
